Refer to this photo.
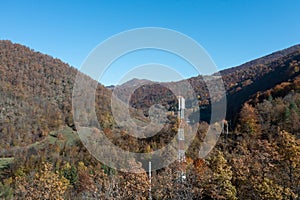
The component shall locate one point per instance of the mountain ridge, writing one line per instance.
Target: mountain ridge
(257, 61)
(36, 91)
(235, 79)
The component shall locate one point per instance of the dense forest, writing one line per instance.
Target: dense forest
(41, 156)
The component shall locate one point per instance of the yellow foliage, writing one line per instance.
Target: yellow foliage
(46, 184)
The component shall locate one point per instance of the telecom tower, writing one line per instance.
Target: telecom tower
(150, 180)
(181, 146)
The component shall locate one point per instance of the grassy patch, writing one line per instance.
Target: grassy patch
(5, 162)
(62, 136)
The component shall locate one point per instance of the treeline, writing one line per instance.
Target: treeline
(239, 83)
(258, 159)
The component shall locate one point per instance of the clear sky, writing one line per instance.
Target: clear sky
(231, 31)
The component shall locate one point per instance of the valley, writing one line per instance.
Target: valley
(40, 150)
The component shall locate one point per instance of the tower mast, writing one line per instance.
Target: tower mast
(181, 145)
(150, 180)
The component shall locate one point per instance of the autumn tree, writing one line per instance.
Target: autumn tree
(289, 149)
(45, 184)
(220, 185)
(6, 192)
(134, 185)
(249, 120)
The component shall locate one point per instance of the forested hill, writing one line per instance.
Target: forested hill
(240, 83)
(263, 60)
(36, 91)
(258, 158)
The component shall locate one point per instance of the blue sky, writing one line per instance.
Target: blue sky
(231, 31)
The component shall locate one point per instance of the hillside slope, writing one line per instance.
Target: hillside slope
(240, 83)
(36, 91)
(35, 95)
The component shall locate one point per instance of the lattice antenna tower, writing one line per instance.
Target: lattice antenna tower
(150, 182)
(181, 141)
